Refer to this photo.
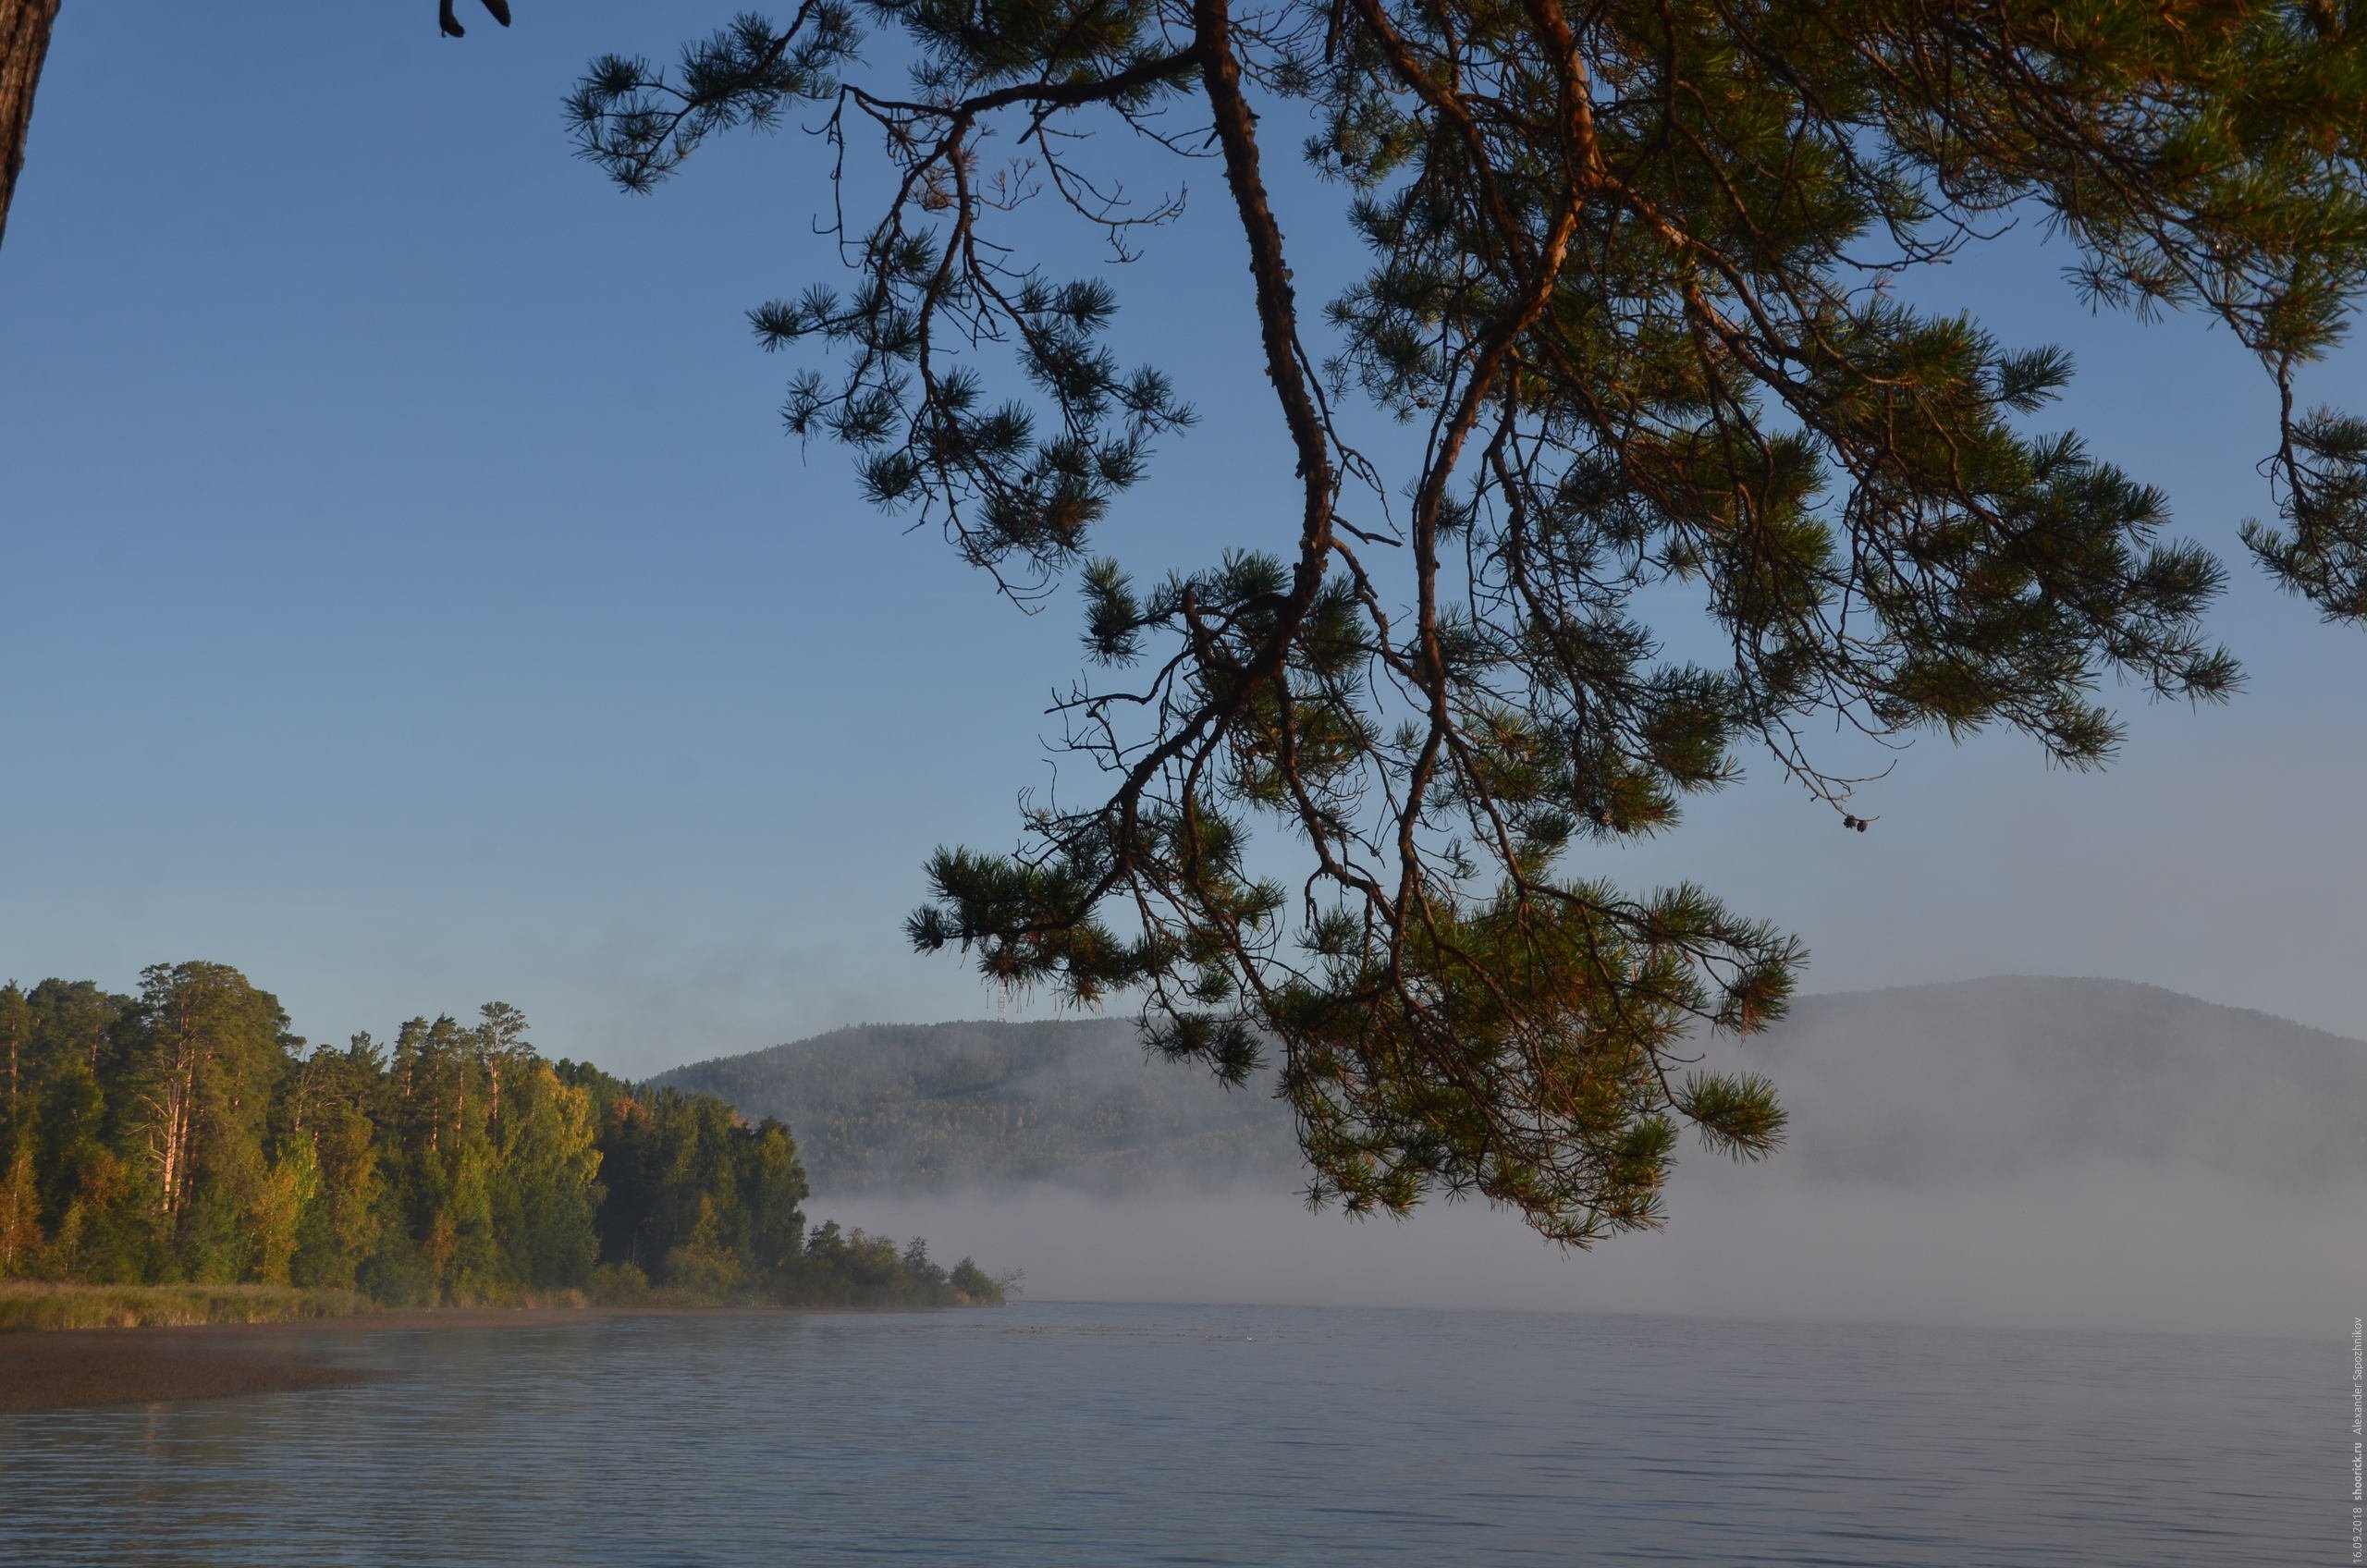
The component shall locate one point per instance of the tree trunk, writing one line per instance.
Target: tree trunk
(24, 43)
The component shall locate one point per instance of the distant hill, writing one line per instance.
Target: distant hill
(913, 1106)
(1929, 1083)
(1918, 1084)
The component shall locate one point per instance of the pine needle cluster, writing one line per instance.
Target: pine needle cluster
(1629, 286)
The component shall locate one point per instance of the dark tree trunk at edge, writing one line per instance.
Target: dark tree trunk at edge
(24, 42)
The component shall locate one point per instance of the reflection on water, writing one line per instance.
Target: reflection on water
(1122, 1435)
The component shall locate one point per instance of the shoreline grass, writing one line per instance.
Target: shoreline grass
(32, 1305)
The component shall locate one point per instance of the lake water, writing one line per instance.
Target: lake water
(1049, 1433)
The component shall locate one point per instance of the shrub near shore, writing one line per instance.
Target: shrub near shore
(185, 1138)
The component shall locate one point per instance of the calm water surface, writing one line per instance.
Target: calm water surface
(1124, 1435)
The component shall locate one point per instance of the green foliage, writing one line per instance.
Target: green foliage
(187, 1136)
(20, 1237)
(29, 1305)
(1684, 479)
(851, 1268)
(690, 1186)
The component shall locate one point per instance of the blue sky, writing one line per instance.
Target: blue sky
(410, 597)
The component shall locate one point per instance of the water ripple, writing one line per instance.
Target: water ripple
(1124, 1435)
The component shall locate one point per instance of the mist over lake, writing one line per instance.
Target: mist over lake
(1254, 1436)
(2035, 1152)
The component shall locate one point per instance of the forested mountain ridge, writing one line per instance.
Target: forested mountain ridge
(186, 1135)
(1914, 1084)
(914, 1106)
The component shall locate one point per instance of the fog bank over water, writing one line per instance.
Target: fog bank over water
(2108, 1247)
(2048, 1152)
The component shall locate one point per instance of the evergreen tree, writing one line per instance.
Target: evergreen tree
(772, 1188)
(204, 1054)
(547, 1194)
(82, 1173)
(16, 1041)
(336, 1105)
(20, 1232)
(445, 1112)
(189, 1136)
(1683, 478)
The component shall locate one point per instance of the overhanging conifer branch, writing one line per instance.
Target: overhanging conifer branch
(1629, 281)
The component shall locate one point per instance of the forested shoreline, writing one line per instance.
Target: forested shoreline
(186, 1135)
